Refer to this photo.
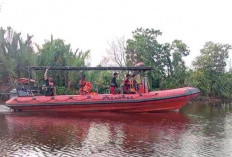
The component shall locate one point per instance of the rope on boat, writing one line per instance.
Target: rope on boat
(87, 97)
(52, 98)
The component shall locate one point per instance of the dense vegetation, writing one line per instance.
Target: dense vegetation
(209, 73)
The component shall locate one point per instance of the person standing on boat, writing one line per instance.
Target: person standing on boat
(134, 84)
(113, 84)
(82, 83)
(127, 84)
(50, 86)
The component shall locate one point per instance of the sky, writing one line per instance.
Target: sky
(93, 24)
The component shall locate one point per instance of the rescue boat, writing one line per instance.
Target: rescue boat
(143, 101)
(155, 101)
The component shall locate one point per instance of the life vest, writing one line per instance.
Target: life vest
(134, 86)
(82, 83)
(51, 83)
(132, 90)
(127, 85)
(87, 88)
(127, 82)
(142, 89)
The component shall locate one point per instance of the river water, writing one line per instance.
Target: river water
(199, 129)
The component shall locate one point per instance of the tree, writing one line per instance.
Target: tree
(213, 57)
(144, 47)
(211, 65)
(15, 54)
(116, 52)
(176, 69)
(167, 59)
(57, 53)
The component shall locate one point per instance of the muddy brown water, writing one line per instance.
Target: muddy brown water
(199, 129)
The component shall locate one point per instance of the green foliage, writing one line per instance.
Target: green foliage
(198, 79)
(167, 59)
(100, 80)
(213, 57)
(57, 53)
(15, 54)
(144, 48)
(61, 90)
(224, 86)
(210, 75)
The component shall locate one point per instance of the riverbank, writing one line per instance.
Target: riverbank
(208, 99)
(211, 99)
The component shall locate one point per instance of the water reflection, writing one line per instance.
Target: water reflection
(211, 128)
(91, 133)
(199, 130)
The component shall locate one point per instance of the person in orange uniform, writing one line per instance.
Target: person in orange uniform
(127, 84)
(82, 83)
(113, 84)
(134, 84)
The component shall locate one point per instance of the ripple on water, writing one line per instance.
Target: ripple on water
(204, 131)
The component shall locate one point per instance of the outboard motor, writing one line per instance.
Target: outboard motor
(22, 89)
(13, 93)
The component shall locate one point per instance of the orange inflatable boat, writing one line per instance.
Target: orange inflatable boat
(155, 101)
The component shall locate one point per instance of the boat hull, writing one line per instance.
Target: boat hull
(157, 101)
